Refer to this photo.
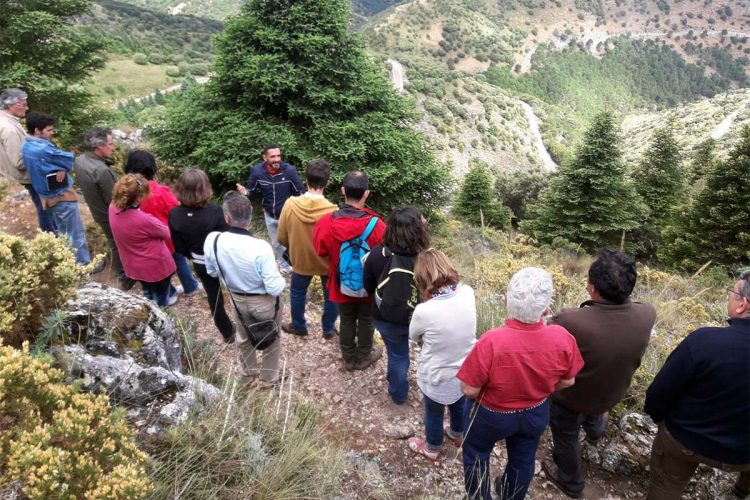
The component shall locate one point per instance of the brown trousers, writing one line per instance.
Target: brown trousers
(672, 465)
(259, 308)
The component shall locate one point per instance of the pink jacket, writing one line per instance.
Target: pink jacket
(140, 239)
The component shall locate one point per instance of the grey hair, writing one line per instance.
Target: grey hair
(529, 294)
(238, 208)
(745, 285)
(96, 137)
(11, 96)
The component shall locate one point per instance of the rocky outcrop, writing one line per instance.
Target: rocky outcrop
(627, 451)
(128, 348)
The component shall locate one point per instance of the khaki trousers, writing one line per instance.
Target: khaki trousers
(258, 308)
(672, 465)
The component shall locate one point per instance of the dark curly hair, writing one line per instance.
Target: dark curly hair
(406, 230)
(613, 275)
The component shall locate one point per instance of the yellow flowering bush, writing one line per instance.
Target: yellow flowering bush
(59, 443)
(36, 276)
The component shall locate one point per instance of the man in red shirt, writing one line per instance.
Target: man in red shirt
(509, 375)
(350, 221)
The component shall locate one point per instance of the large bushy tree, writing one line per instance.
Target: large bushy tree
(702, 160)
(716, 225)
(589, 202)
(289, 72)
(42, 52)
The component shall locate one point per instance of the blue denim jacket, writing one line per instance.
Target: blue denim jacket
(41, 158)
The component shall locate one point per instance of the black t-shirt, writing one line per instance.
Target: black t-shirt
(189, 227)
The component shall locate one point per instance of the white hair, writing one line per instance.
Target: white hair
(529, 294)
(11, 96)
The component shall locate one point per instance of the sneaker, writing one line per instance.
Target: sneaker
(99, 267)
(289, 328)
(179, 290)
(550, 470)
(330, 335)
(375, 354)
(198, 289)
(172, 300)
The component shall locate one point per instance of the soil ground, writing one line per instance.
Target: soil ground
(355, 404)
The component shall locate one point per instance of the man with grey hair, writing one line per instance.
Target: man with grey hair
(701, 401)
(247, 267)
(13, 107)
(508, 377)
(96, 180)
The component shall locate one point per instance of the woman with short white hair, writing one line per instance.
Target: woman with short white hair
(507, 378)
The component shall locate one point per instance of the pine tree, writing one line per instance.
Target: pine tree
(589, 202)
(42, 53)
(291, 73)
(476, 201)
(716, 226)
(702, 160)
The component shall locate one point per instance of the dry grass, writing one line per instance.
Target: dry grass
(127, 79)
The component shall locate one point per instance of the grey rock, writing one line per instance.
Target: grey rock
(399, 431)
(109, 321)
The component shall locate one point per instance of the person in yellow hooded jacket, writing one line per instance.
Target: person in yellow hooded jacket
(296, 224)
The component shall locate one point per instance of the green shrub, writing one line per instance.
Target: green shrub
(58, 443)
(141, 59)
(173, 71)
(36, 276)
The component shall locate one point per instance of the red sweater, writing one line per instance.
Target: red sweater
(159, 203)
(140, 239)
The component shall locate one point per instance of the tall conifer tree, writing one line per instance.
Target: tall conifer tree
(589, 202)
(476, 201)
(290, 72)
(716, 226)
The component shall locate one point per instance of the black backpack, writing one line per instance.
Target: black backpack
(396, 295)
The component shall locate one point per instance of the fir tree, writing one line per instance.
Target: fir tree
(476, 201)
(291, 73)
(43, 53)
(716, 226)
(589, 202)
(660, 183)
(702, 160)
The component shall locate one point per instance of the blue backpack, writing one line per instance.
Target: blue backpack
(351, 269)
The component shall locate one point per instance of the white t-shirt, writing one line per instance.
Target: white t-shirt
(447, 325)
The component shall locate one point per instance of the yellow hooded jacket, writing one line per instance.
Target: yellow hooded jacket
(296, 223)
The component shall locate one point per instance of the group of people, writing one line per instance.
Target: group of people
(567, 371)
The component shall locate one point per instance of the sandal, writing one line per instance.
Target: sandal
(419, 446)
(457, 441)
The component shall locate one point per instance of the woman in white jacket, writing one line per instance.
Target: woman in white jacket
(445, 322)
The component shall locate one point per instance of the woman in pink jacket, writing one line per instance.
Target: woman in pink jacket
(141, 240)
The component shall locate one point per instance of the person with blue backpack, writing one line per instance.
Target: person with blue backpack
(345, 237)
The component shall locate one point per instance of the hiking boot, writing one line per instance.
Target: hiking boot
(375, 354)
(126, 283)
(330, 335)
(289, 328)
(99, 267)
(550, 470)
(349, 364)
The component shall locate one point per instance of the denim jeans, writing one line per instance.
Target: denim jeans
(46, 223)
(396, 339)
(159, 291)
(565, 425)
(433, 421)
(184, 273)
(272, 225)
(67, 219)
(298, 299)
(521, 432)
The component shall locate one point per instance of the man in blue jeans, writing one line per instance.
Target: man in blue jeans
(296, 223)
(277, 182)
(49, 169)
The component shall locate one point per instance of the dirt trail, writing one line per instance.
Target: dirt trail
(355, 404)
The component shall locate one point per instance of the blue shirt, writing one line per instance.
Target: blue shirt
(248, 264)
(40, 158)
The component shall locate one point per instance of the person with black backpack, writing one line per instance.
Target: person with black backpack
(389, 279)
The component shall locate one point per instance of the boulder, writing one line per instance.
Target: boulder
(110, 322)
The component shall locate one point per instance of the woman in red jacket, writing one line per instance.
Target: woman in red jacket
(141, 240)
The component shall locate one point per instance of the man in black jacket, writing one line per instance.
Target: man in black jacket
(701, 401)
(277, 181)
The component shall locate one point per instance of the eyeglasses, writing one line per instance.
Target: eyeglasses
(736, 293)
